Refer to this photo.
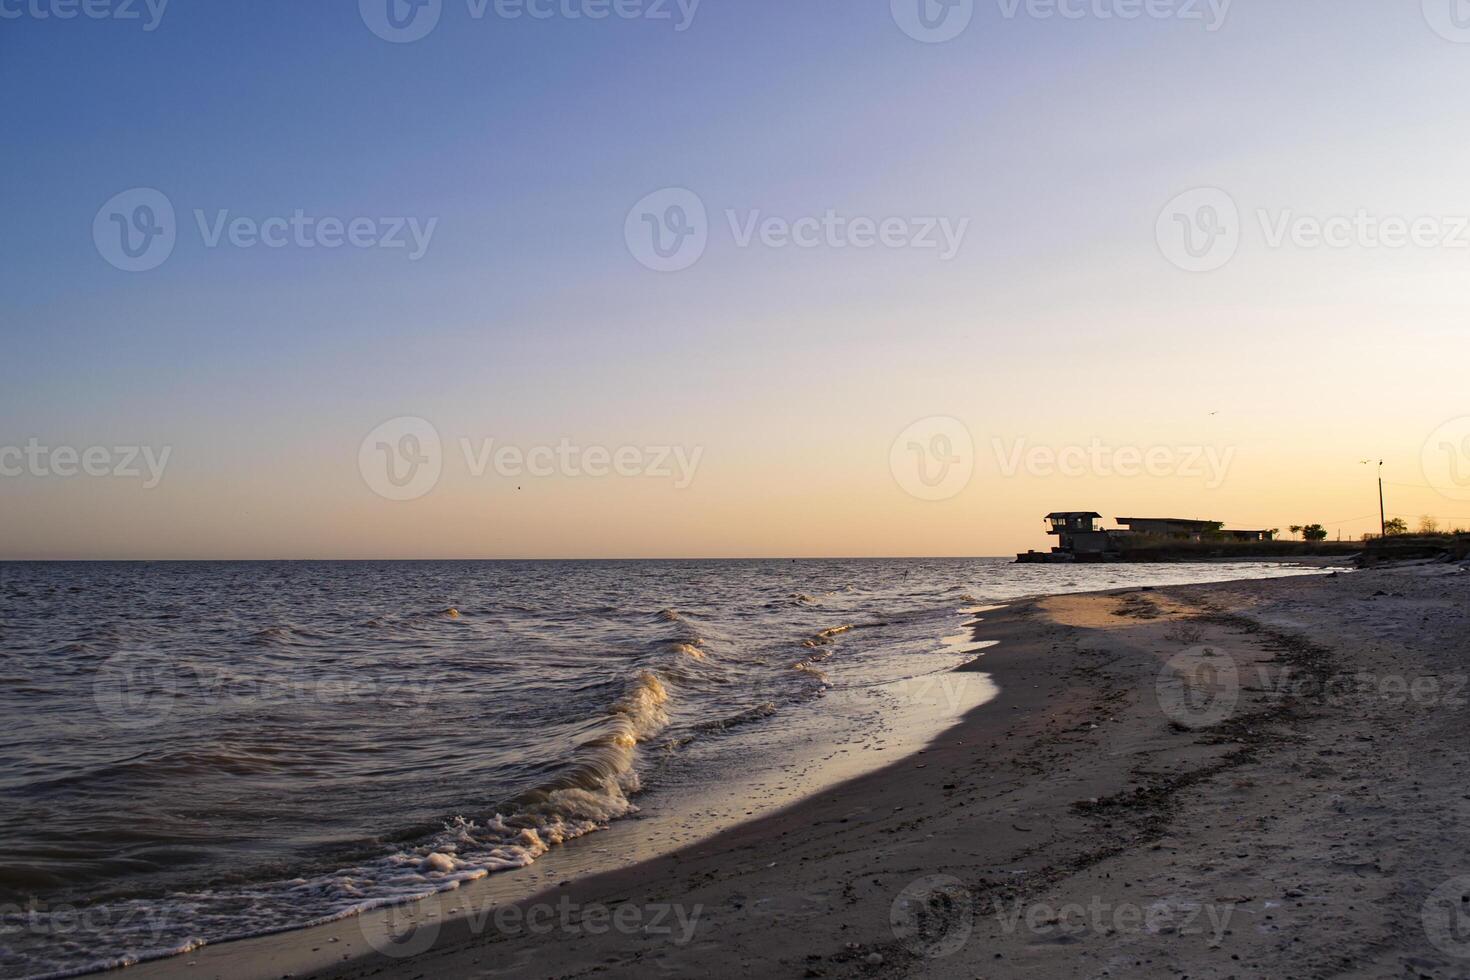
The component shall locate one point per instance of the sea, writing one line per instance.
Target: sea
(192, 752)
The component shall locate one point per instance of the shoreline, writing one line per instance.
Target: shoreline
(298, 952)
(1007, 803)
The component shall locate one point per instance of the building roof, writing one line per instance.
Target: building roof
(1166, 520)
(1072, 513)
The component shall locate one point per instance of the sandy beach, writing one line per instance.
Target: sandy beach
(1239, 780)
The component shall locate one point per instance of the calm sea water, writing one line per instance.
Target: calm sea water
(198, 751)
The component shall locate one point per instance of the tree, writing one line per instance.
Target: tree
(1295, 529)
(1396, 525)
(1428, 525)
(1314, 532)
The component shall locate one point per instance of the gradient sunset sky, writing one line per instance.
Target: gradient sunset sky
(1061, 321)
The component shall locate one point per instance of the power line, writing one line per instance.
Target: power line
(1426, 486)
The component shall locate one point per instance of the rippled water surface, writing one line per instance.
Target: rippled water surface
(195, 751)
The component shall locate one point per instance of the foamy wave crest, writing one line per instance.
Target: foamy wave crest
(594, 789)
(815, 672)
(825, 637)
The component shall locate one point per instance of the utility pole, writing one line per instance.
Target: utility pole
(1382, 513)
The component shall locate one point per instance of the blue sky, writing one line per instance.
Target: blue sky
(528, 319)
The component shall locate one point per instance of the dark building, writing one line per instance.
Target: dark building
(1079, 538)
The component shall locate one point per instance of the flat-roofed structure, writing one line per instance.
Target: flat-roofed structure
(1080, 538)
(1183, 529)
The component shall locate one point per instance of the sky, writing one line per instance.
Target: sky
(450, 280)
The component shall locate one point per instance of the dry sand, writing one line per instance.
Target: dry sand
(1254, 779)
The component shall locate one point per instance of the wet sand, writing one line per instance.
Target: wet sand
(1264, 778)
